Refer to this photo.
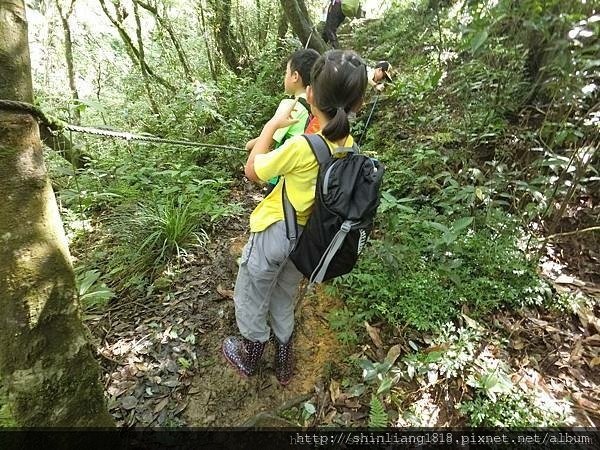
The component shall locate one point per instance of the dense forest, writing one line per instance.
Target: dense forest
(125, 209)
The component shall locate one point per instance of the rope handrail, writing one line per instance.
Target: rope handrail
(58, 126)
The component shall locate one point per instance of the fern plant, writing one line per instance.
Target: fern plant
(377, 415)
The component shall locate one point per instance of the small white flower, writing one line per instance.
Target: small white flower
(574, 32)
(589, 88)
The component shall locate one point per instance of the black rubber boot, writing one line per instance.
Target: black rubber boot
(243, 354)
(284, 361)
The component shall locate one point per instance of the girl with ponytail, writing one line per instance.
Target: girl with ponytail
(267, 279)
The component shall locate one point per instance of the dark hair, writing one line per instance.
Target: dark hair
(384, 65)
(339, 80)
(302, 61)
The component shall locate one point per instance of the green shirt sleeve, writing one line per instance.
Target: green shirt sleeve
(299, 113)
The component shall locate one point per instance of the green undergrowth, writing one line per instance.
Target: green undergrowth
(464, 358)
(482, 152)
(428, 270)
(137, 210)
(466, 183)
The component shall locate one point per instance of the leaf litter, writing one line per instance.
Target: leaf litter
(162, 364)
(161, 358)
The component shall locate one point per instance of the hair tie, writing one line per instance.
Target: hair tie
(340, 109)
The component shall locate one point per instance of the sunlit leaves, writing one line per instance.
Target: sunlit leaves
(478, 39)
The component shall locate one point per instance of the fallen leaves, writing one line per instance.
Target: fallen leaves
(374, 334)
(225, 293)
(153, 355)
(585, 403)
(588, 318)
(565, 279)
(129, 402)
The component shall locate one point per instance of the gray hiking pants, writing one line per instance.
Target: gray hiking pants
(266, 285)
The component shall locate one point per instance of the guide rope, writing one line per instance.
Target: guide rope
(59, 126)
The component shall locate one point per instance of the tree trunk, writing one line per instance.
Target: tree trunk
(211, 65)
(223, 33)
(282, 26)
(242, 35)
(15, 67)
(61, 144)
(262, 31)
(64, 17)
(46, 364)
(303, 28)
(164, 22)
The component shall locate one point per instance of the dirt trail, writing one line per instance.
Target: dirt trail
(162, 362)
(220, 397)
(161, 355)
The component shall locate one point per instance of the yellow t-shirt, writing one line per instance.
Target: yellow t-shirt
(298, 165)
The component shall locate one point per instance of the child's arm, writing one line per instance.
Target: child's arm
(377, 86)
(250, 143)
(281, 119)
(281, 109)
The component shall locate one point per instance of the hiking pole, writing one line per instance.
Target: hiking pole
(309, 36)
(369, 118)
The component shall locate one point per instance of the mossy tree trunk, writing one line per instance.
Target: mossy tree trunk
(298, 18)
(224, 36)
(46, 364)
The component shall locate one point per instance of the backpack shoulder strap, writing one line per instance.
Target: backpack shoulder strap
(321, 151)
(319, 147)
(304, 103)
(289, 216)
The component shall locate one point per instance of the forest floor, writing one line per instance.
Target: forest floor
(162, 363)
(161, 357)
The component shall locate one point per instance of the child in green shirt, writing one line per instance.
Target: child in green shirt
(297, 77)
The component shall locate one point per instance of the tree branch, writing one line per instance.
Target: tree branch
(132, 51)
(570, 233)
(167, 26)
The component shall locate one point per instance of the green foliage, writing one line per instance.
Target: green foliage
(91, 291)
(308, 411)
(462, 177)
(6, 416)
(507, 411)
(160, 205)
(250, 100)
(184, 363)
(167, 229)
(378, 417)
(346, 324)
(498, 402)
(469, 354)
(455, 350)
(424, 271)
(162, 231)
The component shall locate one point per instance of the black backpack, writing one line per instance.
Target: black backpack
(346, 200)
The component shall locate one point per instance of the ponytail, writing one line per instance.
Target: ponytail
(338, 127)
(339, 80)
